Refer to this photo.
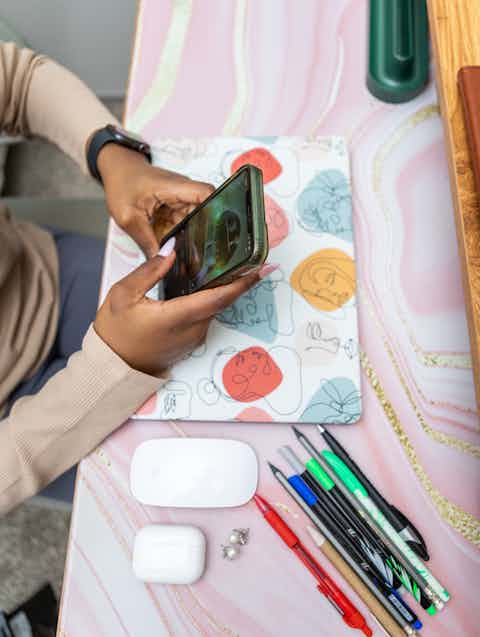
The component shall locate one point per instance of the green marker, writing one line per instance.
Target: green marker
(391, 566)
(320, 475)
(382, 524)
(420, 590)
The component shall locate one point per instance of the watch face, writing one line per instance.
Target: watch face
(121, 133)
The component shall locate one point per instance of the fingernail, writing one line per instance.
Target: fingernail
(254, 270)
(167, 248)
(267, 269)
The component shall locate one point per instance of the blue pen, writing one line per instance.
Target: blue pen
(393, 596)
(375, 588)
(345, 520)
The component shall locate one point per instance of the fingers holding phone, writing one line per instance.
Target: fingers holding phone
(153, 335)
(223, 238)
(205, 304)
(206, 263)
(144, 200)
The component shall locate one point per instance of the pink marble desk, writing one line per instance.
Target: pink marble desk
(297, 67)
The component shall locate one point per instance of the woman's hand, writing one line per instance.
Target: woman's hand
(152, 335)
(140, 196)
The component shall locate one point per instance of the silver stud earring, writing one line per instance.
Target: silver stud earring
(239, 536)
(230, 552)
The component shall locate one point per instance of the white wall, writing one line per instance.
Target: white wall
(91, 37)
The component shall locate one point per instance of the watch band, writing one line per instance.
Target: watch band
(112, 135)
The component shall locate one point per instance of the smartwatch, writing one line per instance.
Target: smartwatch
(113, 135)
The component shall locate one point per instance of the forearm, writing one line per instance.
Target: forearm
(62, 109)
(40, 97)
(48, 433)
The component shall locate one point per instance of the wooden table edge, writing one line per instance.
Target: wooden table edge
(434, 8)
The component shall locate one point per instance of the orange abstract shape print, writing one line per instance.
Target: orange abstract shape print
(325, 279)
(261, 158)
(277, 222)
(254, 414)
(251, 374)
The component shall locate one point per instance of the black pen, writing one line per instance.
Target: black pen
(390, 604)
(335, 521)
(396, 518)
(345, 526)
(327, 485)
(412, 580)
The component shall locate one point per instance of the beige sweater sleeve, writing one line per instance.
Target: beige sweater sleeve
(49, 432)
(40, 97)
(78, 407)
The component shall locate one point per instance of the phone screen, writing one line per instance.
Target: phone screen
(214, 240)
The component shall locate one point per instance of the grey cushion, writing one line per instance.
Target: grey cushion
(85, 216)
(8, 34)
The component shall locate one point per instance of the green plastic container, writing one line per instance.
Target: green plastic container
(398, 51)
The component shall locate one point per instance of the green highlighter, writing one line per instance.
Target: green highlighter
(320, 475)
(336, 492)
(386, 530)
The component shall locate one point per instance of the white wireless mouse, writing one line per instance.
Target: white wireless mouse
(193, 472)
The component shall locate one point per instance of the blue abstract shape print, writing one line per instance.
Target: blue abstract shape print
(337, 401)
(326, 205)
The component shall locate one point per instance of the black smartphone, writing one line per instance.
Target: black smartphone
(223, 238)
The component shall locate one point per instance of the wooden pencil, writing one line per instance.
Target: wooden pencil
(386, 621)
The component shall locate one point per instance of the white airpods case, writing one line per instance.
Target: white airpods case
(169, 554)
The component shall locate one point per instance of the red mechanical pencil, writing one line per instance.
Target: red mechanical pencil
(350, 615)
